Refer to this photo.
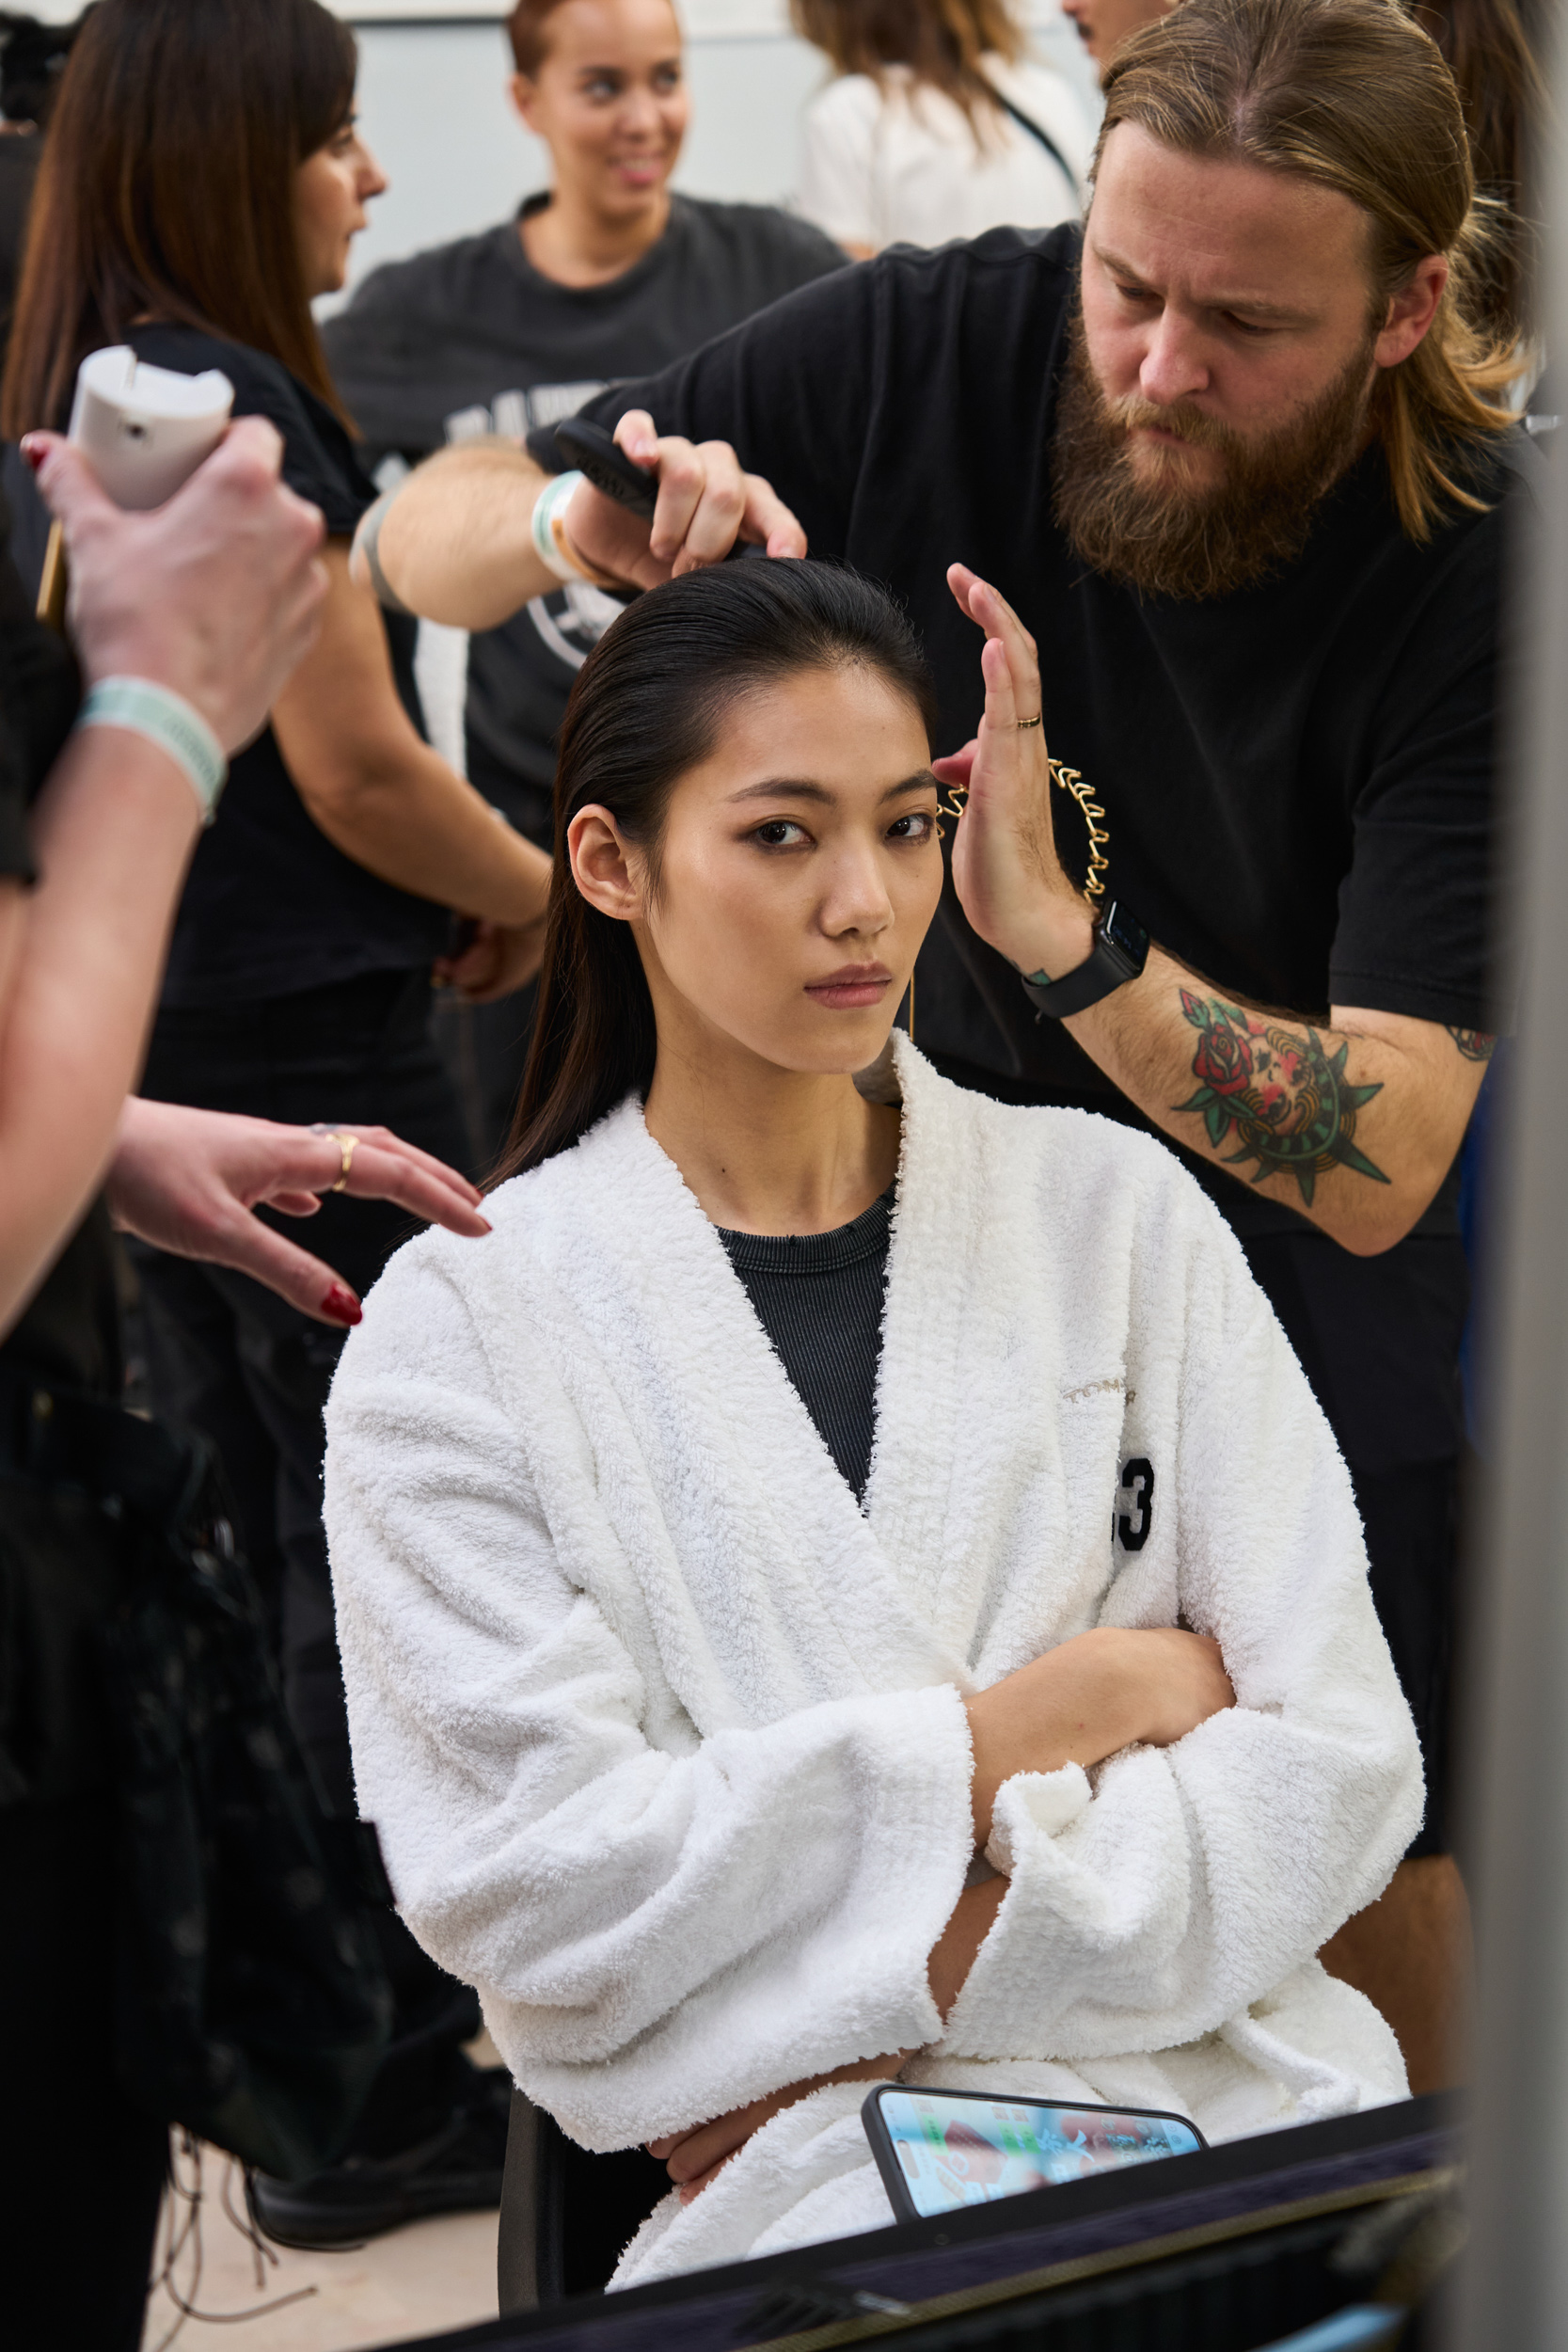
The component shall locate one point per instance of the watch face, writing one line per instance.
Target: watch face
(1123, 931)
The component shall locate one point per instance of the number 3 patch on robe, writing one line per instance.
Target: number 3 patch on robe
(1131, 1526)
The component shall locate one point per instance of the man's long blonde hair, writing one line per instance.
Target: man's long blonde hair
(1352, 94)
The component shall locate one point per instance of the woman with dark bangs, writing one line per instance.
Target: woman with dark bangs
(202, 184)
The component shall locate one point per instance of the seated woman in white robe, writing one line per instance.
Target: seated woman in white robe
(977, 1682)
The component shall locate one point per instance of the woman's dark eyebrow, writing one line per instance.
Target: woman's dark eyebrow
(795, 788)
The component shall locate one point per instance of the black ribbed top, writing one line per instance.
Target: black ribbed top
(818, 1297)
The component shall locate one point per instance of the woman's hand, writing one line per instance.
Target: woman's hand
(1087, 1698)
(498, 958)
(188, 1181)
(1005, 869)
(216, 595)
(693, 2158)
(1183, 1680)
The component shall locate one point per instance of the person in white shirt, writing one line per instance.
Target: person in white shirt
(937, 124)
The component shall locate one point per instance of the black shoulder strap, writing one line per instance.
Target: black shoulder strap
(1036, 131)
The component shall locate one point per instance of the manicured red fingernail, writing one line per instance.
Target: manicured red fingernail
(33, 449)
(341, 1305)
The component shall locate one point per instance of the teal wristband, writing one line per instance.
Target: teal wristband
(168, 720)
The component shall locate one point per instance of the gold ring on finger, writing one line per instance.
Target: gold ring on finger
(345, 1144)
(1037, 721)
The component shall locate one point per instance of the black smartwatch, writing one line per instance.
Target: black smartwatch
(1119, 952)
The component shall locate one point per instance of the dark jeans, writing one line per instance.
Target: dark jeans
(82, 2170)
(232, 1359)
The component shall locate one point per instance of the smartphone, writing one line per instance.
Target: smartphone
(594, 453)
(939, 2151)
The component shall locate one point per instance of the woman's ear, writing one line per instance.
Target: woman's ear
(604, 866)
(522, 90)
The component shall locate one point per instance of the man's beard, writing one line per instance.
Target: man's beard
(1167, 536)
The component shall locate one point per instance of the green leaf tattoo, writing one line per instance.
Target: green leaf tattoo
(1288, 1103)
(1473, 1043)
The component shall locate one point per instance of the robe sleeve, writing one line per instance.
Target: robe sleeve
(656, 1937)
(1157, 1896)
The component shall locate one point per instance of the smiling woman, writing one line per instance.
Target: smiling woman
(728, 1551)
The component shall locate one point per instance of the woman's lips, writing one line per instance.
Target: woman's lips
(855, 987)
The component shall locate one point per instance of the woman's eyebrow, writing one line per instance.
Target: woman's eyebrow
(798, 789)
(792, 787)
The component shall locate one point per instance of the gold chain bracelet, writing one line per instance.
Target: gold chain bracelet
(1072, 783)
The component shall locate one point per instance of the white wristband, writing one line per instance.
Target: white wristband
(549, 528)
(168, 720)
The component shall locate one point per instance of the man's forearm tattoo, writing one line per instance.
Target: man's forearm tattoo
(1473, 1043)
(1287, 1102)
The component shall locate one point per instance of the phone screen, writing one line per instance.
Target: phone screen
(955, 2151)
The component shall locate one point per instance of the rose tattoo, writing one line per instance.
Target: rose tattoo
(1288, 1103)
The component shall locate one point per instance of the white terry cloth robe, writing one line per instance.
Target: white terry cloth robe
(664, 1736)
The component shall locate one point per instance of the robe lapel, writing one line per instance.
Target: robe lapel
(967, 1424)
(793, 1587)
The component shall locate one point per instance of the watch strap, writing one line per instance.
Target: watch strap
(1119, 952)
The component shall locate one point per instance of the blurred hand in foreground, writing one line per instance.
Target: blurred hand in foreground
(216, 594)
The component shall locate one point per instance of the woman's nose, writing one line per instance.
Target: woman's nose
(639, 113)
(858, 900)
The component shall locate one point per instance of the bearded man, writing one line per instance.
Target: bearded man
(1241, 461)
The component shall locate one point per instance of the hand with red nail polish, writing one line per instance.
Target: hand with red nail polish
(191, 1181)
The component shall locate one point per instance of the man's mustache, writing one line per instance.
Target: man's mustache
(1188, 423)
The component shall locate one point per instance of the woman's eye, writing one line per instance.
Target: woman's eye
(603, 86)
(668, 78)
(918, 825)
(780, 833)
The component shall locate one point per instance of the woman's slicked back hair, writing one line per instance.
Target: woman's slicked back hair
(647, 707)
(166, 187)
(1352, 94)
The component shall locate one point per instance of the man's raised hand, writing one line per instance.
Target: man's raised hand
(1005, 869)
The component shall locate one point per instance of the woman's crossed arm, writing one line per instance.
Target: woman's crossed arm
(1105, 1690)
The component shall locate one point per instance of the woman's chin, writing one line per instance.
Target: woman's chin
(858, 1045)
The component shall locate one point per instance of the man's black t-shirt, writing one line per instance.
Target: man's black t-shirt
(470, 338)
(272, 906)
(1297, 778)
